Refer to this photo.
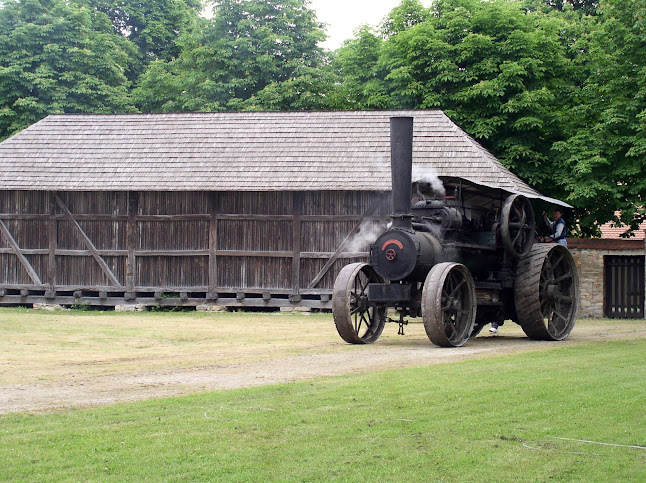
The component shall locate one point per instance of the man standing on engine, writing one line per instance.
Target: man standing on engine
(557, 226)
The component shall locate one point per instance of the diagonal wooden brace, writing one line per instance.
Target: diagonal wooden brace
(335, 256)
(88, 243)
(16, 249)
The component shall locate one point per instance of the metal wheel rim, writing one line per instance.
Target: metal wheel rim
(557, 294)
(449, 305)
(546, 292)
(357, 320)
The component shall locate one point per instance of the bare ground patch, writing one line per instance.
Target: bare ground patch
(61, 360)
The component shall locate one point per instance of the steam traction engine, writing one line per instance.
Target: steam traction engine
(459, 261)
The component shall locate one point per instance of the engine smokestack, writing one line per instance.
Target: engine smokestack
(401, 166)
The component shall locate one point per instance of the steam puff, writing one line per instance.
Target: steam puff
(368, 233)
(428, 183)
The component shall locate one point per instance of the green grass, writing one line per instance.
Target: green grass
(485, 420)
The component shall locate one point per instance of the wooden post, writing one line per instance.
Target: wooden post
(131, 240)
(53, 242)
(213, 245)
(297, 203)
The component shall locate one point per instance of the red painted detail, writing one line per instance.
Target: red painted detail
(391, 254)
(396, 242)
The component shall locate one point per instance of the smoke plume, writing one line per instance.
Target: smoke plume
(429, 185)
(368, 233)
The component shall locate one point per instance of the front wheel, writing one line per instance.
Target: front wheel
(357, 320)
(449, 304)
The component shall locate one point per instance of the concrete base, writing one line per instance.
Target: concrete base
(210, 308)
(130, 308)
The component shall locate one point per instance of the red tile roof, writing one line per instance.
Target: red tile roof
(610, 232)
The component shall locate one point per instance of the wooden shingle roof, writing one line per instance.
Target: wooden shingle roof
(256, 151)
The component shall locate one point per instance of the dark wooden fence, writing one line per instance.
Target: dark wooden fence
(180, 248)
(624, 287)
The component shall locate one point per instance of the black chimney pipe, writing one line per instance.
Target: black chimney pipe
(401, 166)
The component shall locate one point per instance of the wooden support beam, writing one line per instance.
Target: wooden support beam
(88, 243)
(52, 235)
(131, 240)
(335, 256)
(297, 203)
(16, 250)
(213, 243)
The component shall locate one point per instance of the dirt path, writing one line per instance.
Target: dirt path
(77, 390)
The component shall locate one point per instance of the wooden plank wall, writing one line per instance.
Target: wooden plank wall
(230, 248)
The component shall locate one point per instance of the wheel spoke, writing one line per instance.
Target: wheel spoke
(562, 277)
(459, 285)
(520, 232)
(558, 261)
(515, 210)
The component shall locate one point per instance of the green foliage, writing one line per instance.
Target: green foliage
(357, 62)
(58, 56)
(589, 7)
(406, 15)
(501, 74)
(248, 47)
(502, 418)
(154, 26)
(606, 153)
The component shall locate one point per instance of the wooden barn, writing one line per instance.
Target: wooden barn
(227, 209)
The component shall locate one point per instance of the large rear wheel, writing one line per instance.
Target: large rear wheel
(449, 304)
(546, 292)
(357, 320)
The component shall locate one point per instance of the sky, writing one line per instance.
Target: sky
(343, 16)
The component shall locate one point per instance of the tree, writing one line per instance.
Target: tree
(501, 74)
(606, 152)
(358, 64)
(58, 56)
(154, 26)
(406, 15)
(589, 7)
(249, 46)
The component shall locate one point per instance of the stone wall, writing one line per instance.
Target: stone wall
(588, 255)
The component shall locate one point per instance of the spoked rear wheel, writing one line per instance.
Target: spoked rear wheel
(449, 304)
(357, 320)
(546, 292)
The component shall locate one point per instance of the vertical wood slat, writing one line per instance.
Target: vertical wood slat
(131, 240)
(16, 249)
(297, 207)
(52, 239)
(213, 243)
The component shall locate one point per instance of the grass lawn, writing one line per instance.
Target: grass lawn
(492, 419)
(37, 345)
